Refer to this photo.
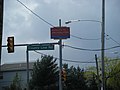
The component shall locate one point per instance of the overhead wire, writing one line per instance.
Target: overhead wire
(84, 38)
(35, 13)
(112, 39)
(70, 34)
(50, 23)
(78, 48)
(76, 61)
(66, 59)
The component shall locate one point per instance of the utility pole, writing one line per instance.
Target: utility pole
(60, 56)
(97, 72)
(27, 61)
(103, 44)
(1, 27)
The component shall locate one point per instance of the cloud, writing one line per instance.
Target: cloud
(18, 20)
(27, 28)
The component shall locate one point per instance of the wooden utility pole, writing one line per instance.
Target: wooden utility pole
(97, 72)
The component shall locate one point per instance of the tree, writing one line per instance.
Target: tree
(114, 77)
(112, 73)
(44, 74)
(16, 85)
(75, 79)
(91, 80)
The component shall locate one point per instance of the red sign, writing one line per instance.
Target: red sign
(60, 32)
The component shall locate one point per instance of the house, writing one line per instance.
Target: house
(8, 72)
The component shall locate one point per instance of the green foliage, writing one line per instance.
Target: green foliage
(16, 85)
(91, 80)
(114, 77)
(75, 79)
(44, 74)
(112, 73)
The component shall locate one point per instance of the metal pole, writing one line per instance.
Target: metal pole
(27, 57)
(28, 44)
(103, 44)
(1, 27)
(60, 56)
(97, 72)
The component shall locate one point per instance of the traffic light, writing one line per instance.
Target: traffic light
(64, 75)
(10, 44)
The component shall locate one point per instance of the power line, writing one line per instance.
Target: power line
(84, 38)
(35, 13)
(47, 21)
(112, 39)
(66, 59)
(78, 48)
(53, 25)
(50, 23)
(76, 61)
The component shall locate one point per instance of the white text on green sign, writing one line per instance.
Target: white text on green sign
(46, 46)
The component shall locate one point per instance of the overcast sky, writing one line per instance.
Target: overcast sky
(27, 28)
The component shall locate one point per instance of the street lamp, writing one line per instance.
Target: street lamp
(70, 21)
(102, 45)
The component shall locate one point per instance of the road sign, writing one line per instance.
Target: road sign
(60, 32)
(46, 46)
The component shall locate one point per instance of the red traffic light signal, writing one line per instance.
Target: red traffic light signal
(10, 44)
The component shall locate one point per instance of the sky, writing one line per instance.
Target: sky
(28, 28)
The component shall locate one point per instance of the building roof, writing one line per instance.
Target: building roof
(16, 66)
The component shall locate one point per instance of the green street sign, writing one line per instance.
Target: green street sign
(46, 46)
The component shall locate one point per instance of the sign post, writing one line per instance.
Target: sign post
(32, 47)
(60, 56)
(60, 33)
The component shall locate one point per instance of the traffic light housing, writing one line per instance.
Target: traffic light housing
(64, 75)
(10, 44)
